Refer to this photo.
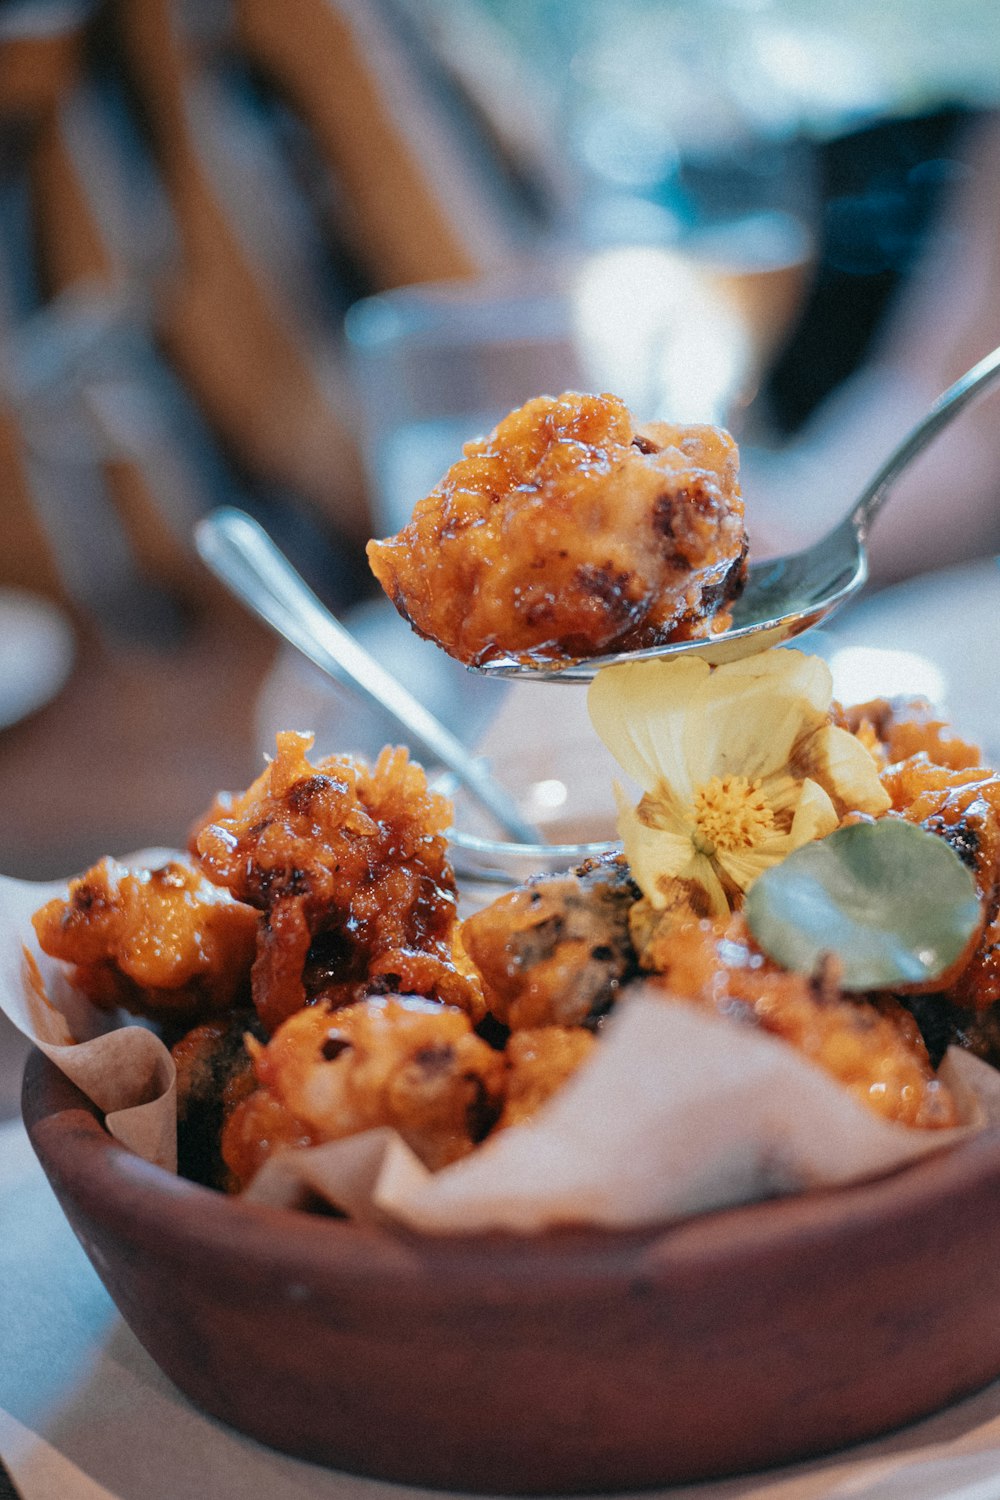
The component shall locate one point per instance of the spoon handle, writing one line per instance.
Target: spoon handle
(973, 383)
(242, 555)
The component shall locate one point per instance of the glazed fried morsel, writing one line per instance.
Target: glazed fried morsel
(874, 1049)
(963, 807)
(539, 1062)
(556, 951)
(214, 1073)
(349, 865)
(569, 532)
(938, 781)
(898, 728)
(409, 1063)
(162, 943)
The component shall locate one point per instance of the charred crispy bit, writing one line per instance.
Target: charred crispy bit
(567, 532)
(349, 865)
(977, 1031)
(943, 1025)
(162, 943)
(214, 1073)
(409, 1063)
(874, 1049)
(555, 951)
(540, 1061)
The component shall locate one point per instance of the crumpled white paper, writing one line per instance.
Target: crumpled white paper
(125, 1070)
(676, 1112)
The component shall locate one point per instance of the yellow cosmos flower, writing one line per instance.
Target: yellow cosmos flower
(738, 765)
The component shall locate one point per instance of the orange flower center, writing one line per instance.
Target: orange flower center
(730, 814)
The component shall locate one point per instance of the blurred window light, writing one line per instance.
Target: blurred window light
(648, 321)
(545, 796)
(863, 672)
(817, 72)
(623, 147)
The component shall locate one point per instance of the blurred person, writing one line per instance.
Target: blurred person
(944, 317)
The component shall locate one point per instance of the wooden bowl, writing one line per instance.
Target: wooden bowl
(571, 1361)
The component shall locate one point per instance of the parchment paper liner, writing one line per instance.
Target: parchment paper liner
(677, 1112)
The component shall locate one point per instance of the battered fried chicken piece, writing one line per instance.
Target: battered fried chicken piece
(900, 727)
(405, 1062)
(164, 943)
(963, 806)
(349, 865)
(214, 1073)
(555, 951)
(937, 780)
(569, 532)
(873, 1048)
(539, 1063)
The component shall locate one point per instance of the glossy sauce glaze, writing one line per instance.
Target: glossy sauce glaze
(569, 532)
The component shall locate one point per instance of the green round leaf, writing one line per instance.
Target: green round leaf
(892, 902)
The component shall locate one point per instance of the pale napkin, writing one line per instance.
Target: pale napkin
(676, 1112)
(125, 1070)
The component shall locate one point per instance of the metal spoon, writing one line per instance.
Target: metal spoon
(785, 596)
(243, 556)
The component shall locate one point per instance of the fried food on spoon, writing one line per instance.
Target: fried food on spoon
(163, 943)
(569, 532)
(349, 865)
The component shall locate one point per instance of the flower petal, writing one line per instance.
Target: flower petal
(743, 866)
(791, 672)
(655, 855)
(781, 791)
(815, 816)
(704, 875)
(842, 764)
(751, 713)
(641, 710)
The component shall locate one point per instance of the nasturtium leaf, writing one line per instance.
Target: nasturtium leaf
(893, 903)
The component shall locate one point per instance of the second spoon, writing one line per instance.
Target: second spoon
(242, 555)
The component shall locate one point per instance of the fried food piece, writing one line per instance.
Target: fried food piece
(902, 727)
(539, 1063)
(568, 532)
(164, 943)
(349, 865)
(963, 806)
(873, 1048)
(408, 1063)
(258, 1125)
(214, 1073)
(937, 780)
(556, 951)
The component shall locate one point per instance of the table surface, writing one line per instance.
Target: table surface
(131, 747)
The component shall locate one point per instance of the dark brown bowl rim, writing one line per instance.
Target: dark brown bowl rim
(719, 1344)
(114, 1185)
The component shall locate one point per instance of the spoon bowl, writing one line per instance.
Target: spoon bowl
(786, 596)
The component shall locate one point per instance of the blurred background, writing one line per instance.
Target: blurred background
(289, 256)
